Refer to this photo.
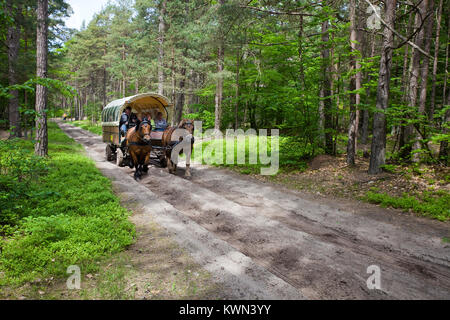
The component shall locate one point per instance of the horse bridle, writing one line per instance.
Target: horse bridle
(138, 135)
(186, 123)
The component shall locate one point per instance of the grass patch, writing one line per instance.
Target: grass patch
(95, 128)
(292, 154)
(432, 204)
(65, 214)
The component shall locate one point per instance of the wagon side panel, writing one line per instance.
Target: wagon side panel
(111, 134)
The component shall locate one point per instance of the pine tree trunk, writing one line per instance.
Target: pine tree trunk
(162, 31)
(365, 126)
(104, 83)
(378, 147)
(181, 96)
(435, 63)
(173, 80)
(355, 84)
(327, 105)
(41, 146)
(321, 118)
(428, 30)
(444, 150)
(219, 87)
(236, 107)
(13, 42)
(409, 131)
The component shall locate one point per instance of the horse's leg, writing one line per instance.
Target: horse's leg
(136, 164)
(141, 162)
(146, 162)
(187, 173)
(169, 162)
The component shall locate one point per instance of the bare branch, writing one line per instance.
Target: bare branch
(412, 44)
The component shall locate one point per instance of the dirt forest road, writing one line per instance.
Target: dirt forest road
(265, 242)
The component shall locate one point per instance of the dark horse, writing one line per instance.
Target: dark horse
(171, 137)
(138, 143)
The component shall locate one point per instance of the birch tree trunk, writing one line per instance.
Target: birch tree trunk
(41, 146)
(378, 147)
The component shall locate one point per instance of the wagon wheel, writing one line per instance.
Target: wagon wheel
(109, 153)
(119, 159)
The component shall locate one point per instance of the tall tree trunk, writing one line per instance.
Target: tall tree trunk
(355, 84)
(41, 146)
(327, 104)
(435, 62)
(444, 150)
(172, 69)
(236, 106)
(409, 132)
(219, 87)
(181, 95)
(321, 118)
(365, 126)
(447, 52)
(104, 83)
(428, 31)
(162, 31)
(13, 42)
(220, 63)
(378, 148)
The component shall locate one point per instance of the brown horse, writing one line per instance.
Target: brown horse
(172, 136)
(138, 143)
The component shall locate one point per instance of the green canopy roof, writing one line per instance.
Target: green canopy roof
(144, 102)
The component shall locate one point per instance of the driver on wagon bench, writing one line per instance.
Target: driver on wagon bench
(127, 120)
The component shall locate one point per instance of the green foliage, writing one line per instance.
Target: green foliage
(19, 168)
(67, 216)
(293, 153)
(204, 115)
(88, 125)
(433, 204)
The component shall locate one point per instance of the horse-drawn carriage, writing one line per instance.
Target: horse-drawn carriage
(141, 104)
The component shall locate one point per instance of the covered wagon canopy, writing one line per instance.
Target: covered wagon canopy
(144, 102)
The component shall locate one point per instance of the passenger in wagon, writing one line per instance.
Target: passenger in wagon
(160, 122)
(127, 120)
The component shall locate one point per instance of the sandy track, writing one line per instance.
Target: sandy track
(318, 248)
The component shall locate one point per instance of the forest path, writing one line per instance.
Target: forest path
(263, 241)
